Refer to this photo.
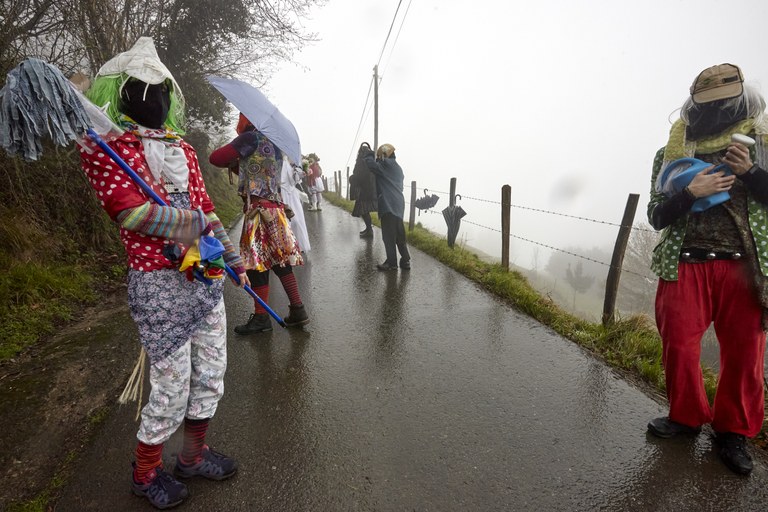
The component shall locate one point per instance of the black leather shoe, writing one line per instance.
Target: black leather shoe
(666, 428)
(405, 265)
(256, 323)
(733, 452)
(385, 266)
(297, 316)
(368, 233)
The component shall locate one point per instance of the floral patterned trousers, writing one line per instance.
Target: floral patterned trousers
(189, 382)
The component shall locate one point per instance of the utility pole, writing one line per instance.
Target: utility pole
(375, 107)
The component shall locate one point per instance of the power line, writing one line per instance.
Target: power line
(397, 36)
(362, 118)
(363, 115)
(389, 32)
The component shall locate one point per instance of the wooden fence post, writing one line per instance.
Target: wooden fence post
(506, 206)
(348, 198)
(338, 188)
(614, 272)
(412, 217)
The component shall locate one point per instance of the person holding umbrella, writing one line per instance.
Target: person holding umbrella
(267, 241)
(391, 204)
(181, 323)
(363, 191)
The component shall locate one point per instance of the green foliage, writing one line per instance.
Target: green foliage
(35, 297)
(631, 344)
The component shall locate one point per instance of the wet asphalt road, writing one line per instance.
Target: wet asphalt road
(420, 391)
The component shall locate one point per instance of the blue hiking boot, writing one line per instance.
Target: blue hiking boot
(162, 490)
(213, 466)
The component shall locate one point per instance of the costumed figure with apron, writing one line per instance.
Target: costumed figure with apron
(267, 241)
(181, 321)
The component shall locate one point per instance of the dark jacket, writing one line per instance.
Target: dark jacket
(389, 184)
(362, 181)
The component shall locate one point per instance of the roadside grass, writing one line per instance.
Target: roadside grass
(51, 271)
(630, 344)
(35, 297)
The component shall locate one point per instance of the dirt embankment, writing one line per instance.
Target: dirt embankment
(53, 396)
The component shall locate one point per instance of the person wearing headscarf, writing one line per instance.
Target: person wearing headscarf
(391, 204)
(181, 323)
(267, 241)
(315, 187)
(712, 262)
(363, 191)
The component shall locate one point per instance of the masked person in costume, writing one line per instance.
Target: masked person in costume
(391, 204)
(315, 187)
(712, 263)
(181, 323)
(267, 242)
(363, 191)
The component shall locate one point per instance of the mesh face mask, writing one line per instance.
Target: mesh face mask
(146, 104)
(708, 119)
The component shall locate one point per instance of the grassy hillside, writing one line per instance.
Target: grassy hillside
(58, 250)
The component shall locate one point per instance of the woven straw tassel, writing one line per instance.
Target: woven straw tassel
(134, 388)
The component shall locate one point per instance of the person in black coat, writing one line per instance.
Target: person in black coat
(391, 204)
(363, 191)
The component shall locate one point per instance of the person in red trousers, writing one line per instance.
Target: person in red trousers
(712, 262)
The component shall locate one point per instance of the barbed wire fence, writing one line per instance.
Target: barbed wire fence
(626, 227)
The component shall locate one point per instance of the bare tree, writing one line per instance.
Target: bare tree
(637, 288)
(195, 38)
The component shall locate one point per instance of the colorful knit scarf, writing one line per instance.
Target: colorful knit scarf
(679, 147)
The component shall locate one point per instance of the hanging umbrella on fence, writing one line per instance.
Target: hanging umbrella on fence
(453, 215)
(426, 201)
(37, 101)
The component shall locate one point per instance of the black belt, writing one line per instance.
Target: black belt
(704, 255)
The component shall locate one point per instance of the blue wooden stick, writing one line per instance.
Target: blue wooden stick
(151, 193)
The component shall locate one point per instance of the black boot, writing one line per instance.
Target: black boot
(297, 316)
(733, 452)
(256, 323)
(366, 233)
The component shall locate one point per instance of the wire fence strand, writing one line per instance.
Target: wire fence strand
(540, 210)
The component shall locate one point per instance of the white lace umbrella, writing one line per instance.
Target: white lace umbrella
(261, 113)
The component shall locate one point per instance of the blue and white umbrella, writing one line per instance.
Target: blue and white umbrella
(265, 116)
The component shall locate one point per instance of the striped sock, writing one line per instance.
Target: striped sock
(263, 292)
(194, 439)
(291, 288)
(148, 457)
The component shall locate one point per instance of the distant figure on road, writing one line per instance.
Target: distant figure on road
(713, 263)
(391, 204)
(181, 323)
(315, 187)
(363, 191)
(290, 177)
(267, 241)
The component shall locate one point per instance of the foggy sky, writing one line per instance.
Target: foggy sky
(565, 101)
